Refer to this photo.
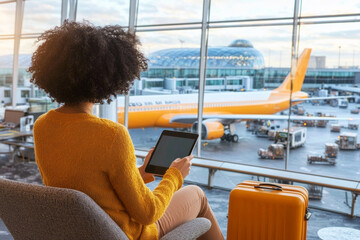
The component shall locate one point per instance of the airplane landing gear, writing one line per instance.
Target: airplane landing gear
(230, 138)
(230, 135)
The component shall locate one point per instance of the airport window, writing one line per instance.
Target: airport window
(25, 93)
(7, 93)
(35, 13)
(248, 47)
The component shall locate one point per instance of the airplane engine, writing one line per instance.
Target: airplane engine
(209, 130)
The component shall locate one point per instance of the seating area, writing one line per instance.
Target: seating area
(39, 212)
(218, 199)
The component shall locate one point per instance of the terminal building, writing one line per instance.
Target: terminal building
(237, 67)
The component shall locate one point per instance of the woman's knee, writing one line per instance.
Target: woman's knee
(196, 190)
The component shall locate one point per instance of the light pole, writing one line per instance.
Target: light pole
(339, 57)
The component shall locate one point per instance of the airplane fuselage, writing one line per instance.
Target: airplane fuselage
(157, 110)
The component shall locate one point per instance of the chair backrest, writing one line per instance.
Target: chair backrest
(38, 212)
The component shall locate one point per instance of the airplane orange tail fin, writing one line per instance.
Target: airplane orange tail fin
(299, 73)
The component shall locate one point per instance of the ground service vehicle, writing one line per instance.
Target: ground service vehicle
(262, 131)
(274, 151)
(348, 141)
(353, 126)
(308, 123)
(315, 191)
(354, 111)
(253, 125)
(321, 123)
(335, 127)
(331, 150)
(319, 158)
(272, 134)
(343, 103)
(297, 137)
(266, 130)
(298, 109)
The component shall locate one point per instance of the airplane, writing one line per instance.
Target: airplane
(221, 110)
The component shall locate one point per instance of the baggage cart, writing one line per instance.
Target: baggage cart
(267, 211)
(319, 158)
(321, 123)
(274, 151)
(335, 127)
(354, 111)
(331, 150)
(353, 126)
(315, 191)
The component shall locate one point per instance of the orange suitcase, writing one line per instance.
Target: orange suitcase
(265, 211)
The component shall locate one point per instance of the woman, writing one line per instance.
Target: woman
(78, 65)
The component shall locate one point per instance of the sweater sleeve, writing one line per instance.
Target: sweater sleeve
(143, 205)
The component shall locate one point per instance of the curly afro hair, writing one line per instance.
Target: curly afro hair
(79, 62)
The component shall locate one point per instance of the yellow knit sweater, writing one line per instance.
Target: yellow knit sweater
(96, 156)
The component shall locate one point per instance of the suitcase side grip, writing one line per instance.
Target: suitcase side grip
(270, 186)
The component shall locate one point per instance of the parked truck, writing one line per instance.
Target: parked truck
(343, 103)
(348, 141)
(297, 137)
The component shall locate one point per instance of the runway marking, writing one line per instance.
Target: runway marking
(4, 233)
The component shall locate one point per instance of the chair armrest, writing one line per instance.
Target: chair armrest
(189, 230)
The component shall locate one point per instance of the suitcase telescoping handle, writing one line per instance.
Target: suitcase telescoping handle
(269, 186)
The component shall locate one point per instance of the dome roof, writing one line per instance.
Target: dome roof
(239, 54)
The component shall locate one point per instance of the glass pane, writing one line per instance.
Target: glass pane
(324, 7)
(6, 61)
(336, 42)
(6, 64)
(241, 73)
(27, 48)
(35, 97)
(169, 11)
(334, 64)
(7, 18)
(105, 12)
(238, 10)
(40, 15)
(168, 88)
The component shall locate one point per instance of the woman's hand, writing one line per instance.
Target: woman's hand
(146, 176)
(183, 165)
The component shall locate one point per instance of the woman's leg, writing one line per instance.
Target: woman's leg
(188, 203)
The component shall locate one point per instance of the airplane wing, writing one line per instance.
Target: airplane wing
(319, 98)
(231, 118)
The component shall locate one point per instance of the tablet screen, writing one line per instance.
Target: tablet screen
(171, 145)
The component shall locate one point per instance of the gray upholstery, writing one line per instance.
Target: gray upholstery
(39, 212)
(193, 229)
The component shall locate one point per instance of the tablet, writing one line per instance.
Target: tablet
(170, 146)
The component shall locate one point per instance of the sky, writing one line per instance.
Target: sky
(336, 41)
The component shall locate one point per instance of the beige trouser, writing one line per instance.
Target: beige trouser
(188, 203)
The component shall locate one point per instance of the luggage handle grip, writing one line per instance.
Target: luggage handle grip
(270, 186)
